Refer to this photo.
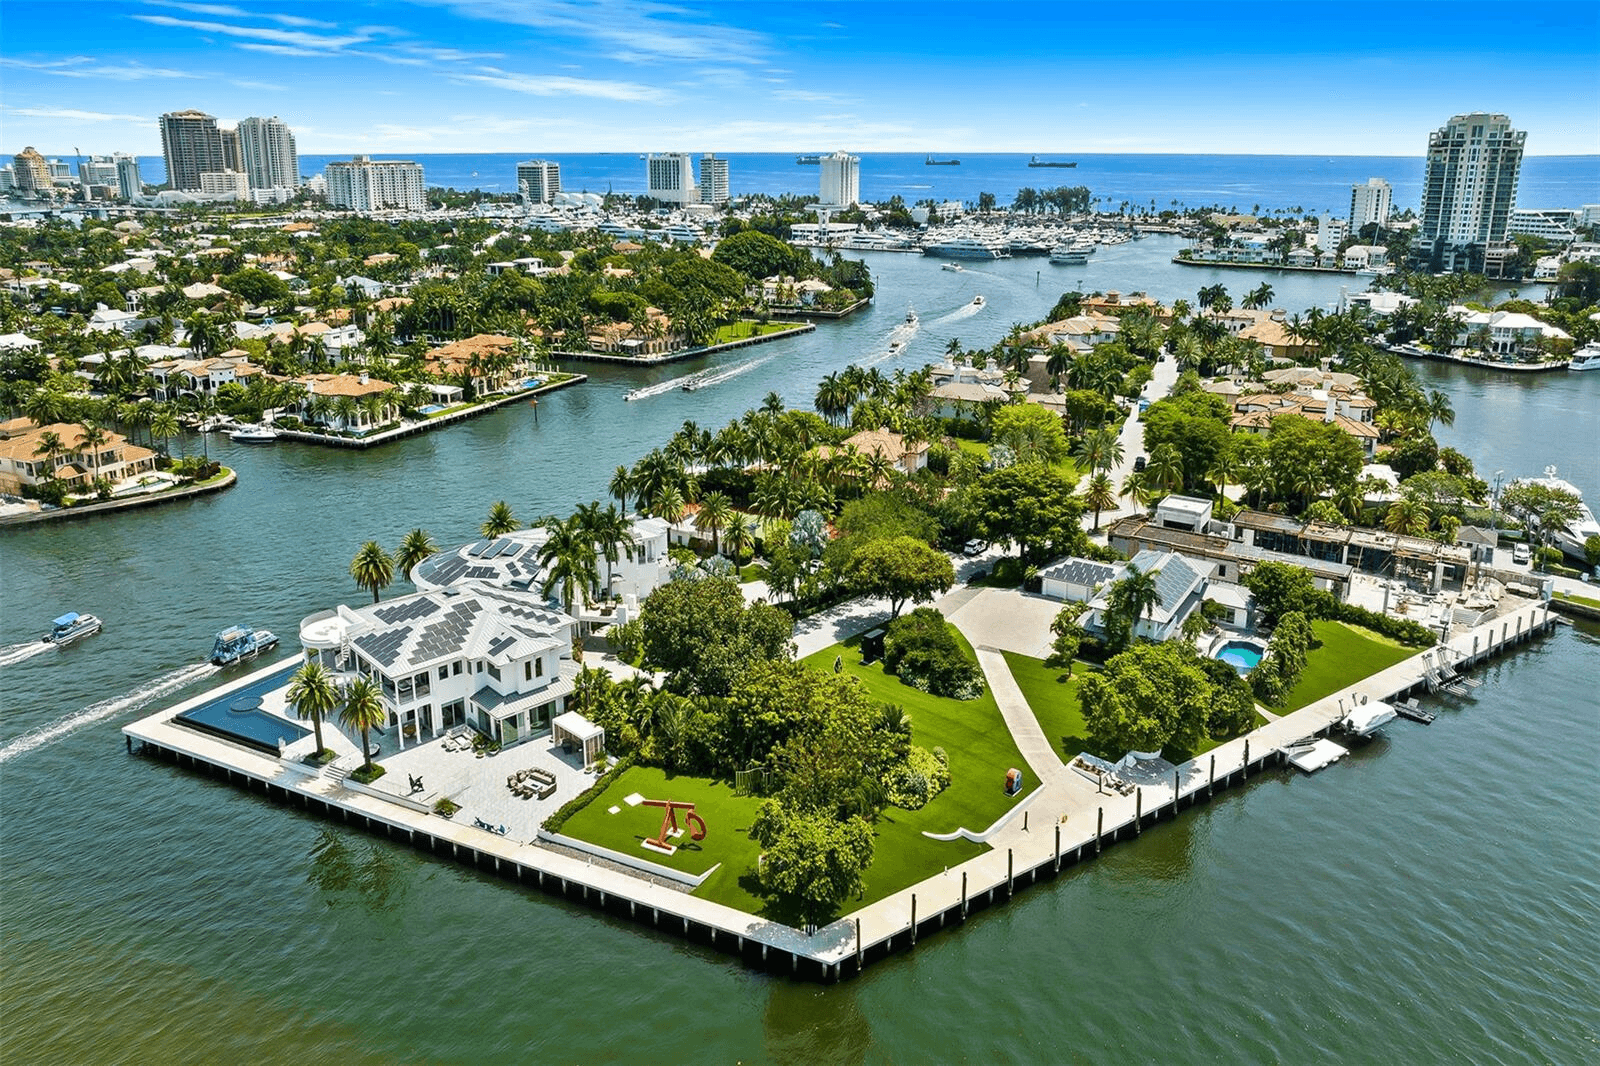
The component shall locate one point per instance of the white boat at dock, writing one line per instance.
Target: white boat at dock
(253, 435)
(72, 627)
(1365, 718)
(1069, 255)
(1586, 358)
(1571, 538)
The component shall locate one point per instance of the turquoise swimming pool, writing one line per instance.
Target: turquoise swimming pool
(1242, 655)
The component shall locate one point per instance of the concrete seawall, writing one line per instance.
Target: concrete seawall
(1068, 826)
(89, 510)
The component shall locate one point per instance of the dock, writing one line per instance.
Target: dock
(1311, 756)
(412, 429)
(1065, 821)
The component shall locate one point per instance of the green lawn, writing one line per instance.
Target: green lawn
(1345, 654)
(727, 817)
(1587, 601)
(1053, 696)
(744, 330)
(980, 747)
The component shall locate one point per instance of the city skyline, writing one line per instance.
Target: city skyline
(562, 76)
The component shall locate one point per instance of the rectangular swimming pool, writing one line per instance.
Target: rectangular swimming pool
(237, 715)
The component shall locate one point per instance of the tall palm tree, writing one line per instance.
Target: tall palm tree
(669, 504)
(715, 511)
(45, 406)
(1439, 409)
(416, 547)
(363, 709)
(1100, 449)
(1224, 469)
(92, 438)
(609, 531)
(1407, 515)
(1100, 495)
(500, 521)
(1135, 595)
(373, 568)
(163, 426)
(313, 694)
(621, 486)
(569, 559)
(1165, 468)
(741, 531)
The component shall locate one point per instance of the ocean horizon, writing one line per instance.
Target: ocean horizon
(1316, 184)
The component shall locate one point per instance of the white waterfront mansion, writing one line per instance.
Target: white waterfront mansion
(497, 659)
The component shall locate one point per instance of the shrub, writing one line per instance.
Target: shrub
(446, 807)
(924, 775)
(924, 653)
(367, 775)
(627, 640)
(577, 803)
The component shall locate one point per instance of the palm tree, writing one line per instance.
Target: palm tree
(50, 447)
(373, 568)
(164, 426)
(92, 438)
(715, 511)
(500, 521)
(416, 547)
(1165, 469)
(45, 406)
(608, 530)
(741, 531)
(1407, 515)
(363, 709)
(569, 559)
(1100, 449)
(621, 486)
(1224, 470)
(1135, 595)
(312, 694)
(669, 505)
(1100, 495)
(1439, 409)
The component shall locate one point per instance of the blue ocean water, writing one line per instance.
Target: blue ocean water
(1316, 184)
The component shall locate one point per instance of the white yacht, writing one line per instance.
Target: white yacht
(1571, 538)
(71, 627)
(1364, 720)
(253, 435)
(1069, 255)
(1586, 358)
(953, 267)
(964, 248)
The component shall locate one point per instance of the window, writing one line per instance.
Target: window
(527, 671)
(494, 672)
(538, 668)
(455, 668)
(480, 667)
(444, 671)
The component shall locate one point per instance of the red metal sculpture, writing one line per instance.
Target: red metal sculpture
(669, 823)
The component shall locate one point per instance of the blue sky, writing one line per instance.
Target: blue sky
(632, 75)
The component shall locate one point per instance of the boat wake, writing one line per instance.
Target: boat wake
(966, 310)
(662, 387)
(896, 342)
(732, 372)
(17, 653)
(99, 712)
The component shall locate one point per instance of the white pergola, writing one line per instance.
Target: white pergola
(574, 728)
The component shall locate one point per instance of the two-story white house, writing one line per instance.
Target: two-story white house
(1180, 588)
(496, 659)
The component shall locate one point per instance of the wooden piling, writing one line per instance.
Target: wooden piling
(1099, 826)
(913, 919)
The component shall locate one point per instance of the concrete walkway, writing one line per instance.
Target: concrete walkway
(1025, 730)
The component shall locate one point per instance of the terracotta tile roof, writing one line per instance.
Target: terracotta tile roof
(342, 385)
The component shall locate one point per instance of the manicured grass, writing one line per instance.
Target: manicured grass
(1587, 601)
(980, 748)
(739, 331)
(753, 572)
(1053, 697)
(1345, 654)
(727, 817)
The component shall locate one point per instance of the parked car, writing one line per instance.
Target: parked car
(1520, 553)
(973, 547)
(1138, 464)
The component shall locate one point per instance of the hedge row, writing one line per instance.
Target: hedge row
(1402, 629)
(577, 803)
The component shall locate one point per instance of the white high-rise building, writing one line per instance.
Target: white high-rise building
(539, 180)
(840, 180)
(1370, 203)
(1469, 189)
(225, 185)
(671, 178)
(713, 180)
(365, 184)
(97, 170)
(128, 181)
(267, 153)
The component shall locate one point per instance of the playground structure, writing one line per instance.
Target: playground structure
(692, 822)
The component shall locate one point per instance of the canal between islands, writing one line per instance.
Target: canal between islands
(1430, 899)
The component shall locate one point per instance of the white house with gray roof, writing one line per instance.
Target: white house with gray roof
(1180, 587)
(495, 658)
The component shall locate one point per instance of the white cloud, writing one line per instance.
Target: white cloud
(72, 114)
(803, 95)
(636, 31)
(563, 85)
(284, 38)
(229, 11)
(76, 67)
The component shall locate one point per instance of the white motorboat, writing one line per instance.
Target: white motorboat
(71, 627)
(977, 301)
(253, 435)
(1069, 255)
(241, 642)
(954, 267)
(1586, 358)
(911, 317)
(1364, 720)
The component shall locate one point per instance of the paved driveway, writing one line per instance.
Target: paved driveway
(1009, 620)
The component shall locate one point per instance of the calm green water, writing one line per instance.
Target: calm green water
(1430, 899)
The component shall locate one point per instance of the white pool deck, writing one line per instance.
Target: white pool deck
(1027, 839)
